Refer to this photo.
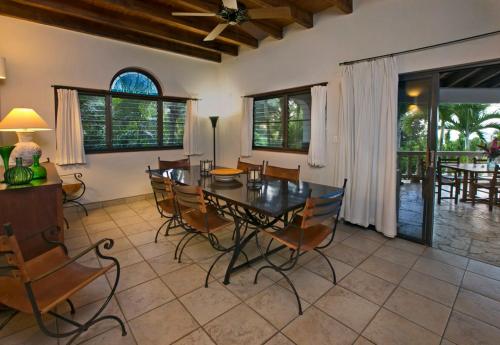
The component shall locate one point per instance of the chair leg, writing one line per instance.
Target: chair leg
(71, 306)
(439, 194)
(161, 227)
(329, 264)
(179, 244)
(212, 266)
(286, 278)
(8, 319)
(185, 244)
(66, 222)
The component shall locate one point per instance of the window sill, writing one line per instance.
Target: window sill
(279, 150)
(138, 149)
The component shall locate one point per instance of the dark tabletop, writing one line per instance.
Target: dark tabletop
(470, 167)
(274, 198)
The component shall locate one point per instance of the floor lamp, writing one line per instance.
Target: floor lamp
(214, 119)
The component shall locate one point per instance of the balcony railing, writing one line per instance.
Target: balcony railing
(411, 163)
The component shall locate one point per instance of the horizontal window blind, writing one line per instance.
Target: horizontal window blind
(93, 114)
(174, 115)
(299, 121)
(268, 123)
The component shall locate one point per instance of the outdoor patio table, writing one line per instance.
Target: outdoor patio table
(262, 207)
(469, 170)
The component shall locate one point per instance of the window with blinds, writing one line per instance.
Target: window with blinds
(174, 115)
(282, 122)
(93, 113)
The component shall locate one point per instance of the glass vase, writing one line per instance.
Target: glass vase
(18, 175)
(491, 164)
(5, 152)
(39, 172)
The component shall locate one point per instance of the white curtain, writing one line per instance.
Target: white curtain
(191, 138)
(368, 143)
(246, 130)
(317, 145)
(69, 131)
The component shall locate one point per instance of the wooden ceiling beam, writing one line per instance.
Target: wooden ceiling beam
(162, 14)
(42, 16)
(74, 9)
(298, 15)
(344, 6)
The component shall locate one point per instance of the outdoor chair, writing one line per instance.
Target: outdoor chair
(448, 177)
(491, 186)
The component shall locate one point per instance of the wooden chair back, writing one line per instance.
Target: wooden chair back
(162, 188)
(190, 197)
(246, 165)
(282, 173)
(178, 164)
(480, 160)
(441, 170)
(324, 207)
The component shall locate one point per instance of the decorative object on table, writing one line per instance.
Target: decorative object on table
(206, 167)
(3, 69)
(39, 172)
(225, 174)
(214, 119)
(5, 152)
(73, 189)
(492, 151)
(254, 178)
(24, 122)
(18, 174)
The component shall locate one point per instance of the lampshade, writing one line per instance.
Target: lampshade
(23, 120)
(3, 70)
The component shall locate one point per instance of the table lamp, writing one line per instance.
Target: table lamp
(24, 122)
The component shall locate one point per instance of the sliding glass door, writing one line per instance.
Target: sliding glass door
(417, 119)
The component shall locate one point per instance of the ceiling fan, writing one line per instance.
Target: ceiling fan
(234, 14)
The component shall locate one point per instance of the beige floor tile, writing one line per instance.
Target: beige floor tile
(447, 258)
(119, 245)
(277, 305)
(388, 328)
(421, 310)
(100, 226)
(153, 249)
(362, 243)
(479, 307)
(446, 342)
(363, 341)
(206, 304)
(371, 235)
(433, 288)
(29, 336)
(319, 266)
(448, 273)
(185, 280)
(198, 337)
(164, 264)
(143, 238)
(309, 286)
(19, 322)
(482, 285)
(341, 234)
(112, 337)
(240, 325)
(397, 256)
(279, 339)
(346, 254)
(384, 269)
(370, 287)
(484, 269)
(111, 233)
(200, 251)
(132, 275)
(348, 308)
(125, 257)
(75, 243)
(408, 246)
(317, 328)
(93, 292)
(163, 325)
(74, 232)
(95, 219)
(136, 228)
(122, 214)
(116, 208)
(465, 330)
(144, 297)
(123, 222)
(242, 283)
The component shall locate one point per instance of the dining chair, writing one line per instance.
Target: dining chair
(282, 173)
(164, 198)
(246, 165)
(73, 188)
(307, 232)
(178, 164)
(448, 177)
(491, 186)
(39, 285)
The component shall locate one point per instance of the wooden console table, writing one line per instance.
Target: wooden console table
(31, 209)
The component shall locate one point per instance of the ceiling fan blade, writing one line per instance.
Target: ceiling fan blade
(269, 12)
(193, 14)
(233, 4)
(215, 32)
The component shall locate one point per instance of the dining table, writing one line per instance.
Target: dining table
(269, 205)
(469, 170)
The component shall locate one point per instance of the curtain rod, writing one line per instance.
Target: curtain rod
(423, 48)
(298, 88)
(83, 89)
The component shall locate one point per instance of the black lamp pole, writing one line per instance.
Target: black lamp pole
(214, 119)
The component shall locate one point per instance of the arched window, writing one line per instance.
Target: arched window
(135, 81)
(132, 115)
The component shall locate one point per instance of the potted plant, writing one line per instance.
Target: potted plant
(492, 150)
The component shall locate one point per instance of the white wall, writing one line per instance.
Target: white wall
(39, 56)
(376, 27)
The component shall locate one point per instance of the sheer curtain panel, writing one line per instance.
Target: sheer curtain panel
(317, 146)
(246, 131)
(191, 140)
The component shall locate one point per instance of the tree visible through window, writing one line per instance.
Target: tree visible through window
(283, 122)
(133, 115)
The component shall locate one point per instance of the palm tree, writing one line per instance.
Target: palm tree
(468, 119)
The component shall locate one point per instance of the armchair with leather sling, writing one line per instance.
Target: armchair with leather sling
(38, 285)
(306, 232)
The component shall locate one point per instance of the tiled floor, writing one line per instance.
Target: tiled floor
(389, 292)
